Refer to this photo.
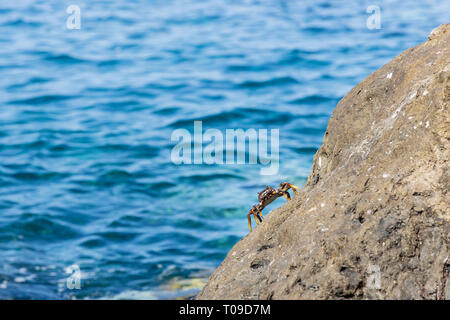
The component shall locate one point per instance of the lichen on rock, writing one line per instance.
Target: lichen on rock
(373, 220)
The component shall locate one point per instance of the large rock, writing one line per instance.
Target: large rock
(373, 220)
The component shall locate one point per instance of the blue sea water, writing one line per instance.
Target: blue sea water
(86, 118)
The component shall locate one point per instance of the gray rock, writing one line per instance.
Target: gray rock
(373, 220)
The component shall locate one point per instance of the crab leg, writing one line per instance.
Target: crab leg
(287, 195)
(259, 215)
(256, 217)
(249, 221)
(294, 188)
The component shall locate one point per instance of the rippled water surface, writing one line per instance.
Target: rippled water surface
(87, 115)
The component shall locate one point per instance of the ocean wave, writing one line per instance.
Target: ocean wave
(257, 84)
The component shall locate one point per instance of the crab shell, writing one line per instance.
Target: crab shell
(267, 196)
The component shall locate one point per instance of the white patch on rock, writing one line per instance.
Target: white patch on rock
(385, 175)
(396, 112)
(389, 75)
(427, 124)
(320, 162)
(322, 205)
(425, 92)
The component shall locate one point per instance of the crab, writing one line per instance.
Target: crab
(266, 197)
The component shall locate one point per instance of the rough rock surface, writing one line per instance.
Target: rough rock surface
(373, 220)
